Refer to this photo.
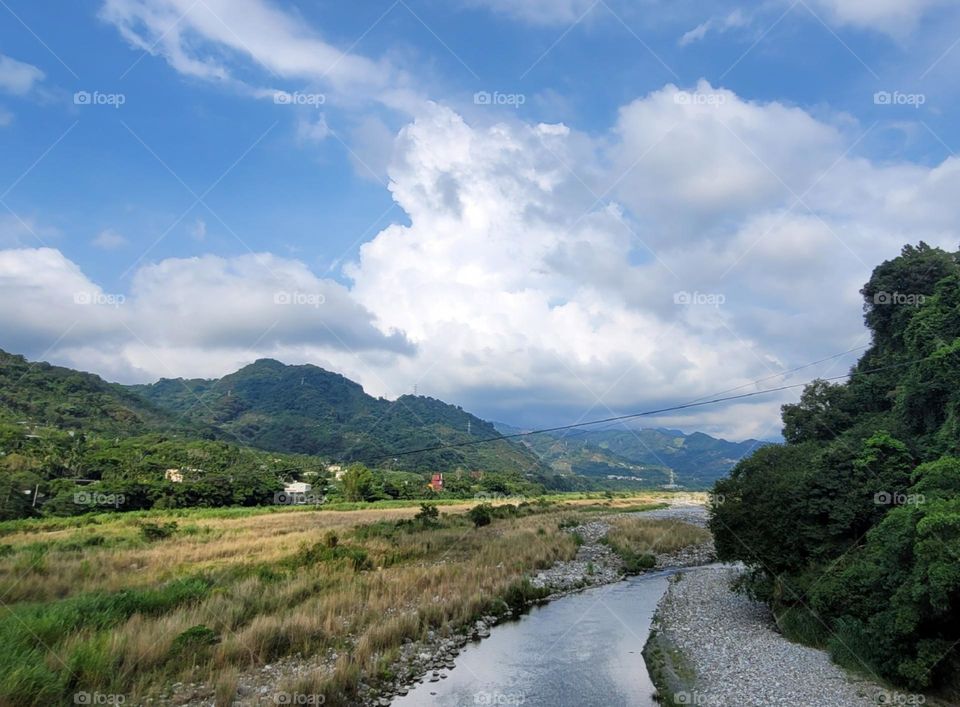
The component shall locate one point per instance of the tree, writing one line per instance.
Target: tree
(358, 483)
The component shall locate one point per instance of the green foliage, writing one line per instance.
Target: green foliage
(853, 543)
(307, 410)
(428, 515)
(193, 640)
(481, 514)
(157, 531)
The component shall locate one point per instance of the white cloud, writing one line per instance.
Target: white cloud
(108, 239)
(198, 230)
(315, 130)
(200, 39)
(527, 294)
(895, 17)
(191, 316)
(719, 25)
(536, 279)
(546, 12)
(17, 77)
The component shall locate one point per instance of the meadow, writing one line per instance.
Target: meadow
(124, 606)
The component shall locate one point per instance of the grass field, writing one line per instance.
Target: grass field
(128, 604)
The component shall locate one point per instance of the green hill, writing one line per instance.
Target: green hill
(851, 529)
(41, 394)
(306, 409)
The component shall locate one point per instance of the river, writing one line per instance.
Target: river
(583, 650)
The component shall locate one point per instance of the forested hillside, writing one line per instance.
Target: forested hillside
(306, 409)
(852, 528)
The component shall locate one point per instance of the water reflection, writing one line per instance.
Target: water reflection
(583, 650)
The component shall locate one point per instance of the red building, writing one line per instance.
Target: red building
(436, 482)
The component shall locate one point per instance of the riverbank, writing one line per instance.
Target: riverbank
(712, 647)
(595, 564)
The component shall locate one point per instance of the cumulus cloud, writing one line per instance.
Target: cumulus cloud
(190, 316)
(543, 274)
(706, 241)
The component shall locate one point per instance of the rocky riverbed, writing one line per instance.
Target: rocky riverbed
(596, 563)
(431, 659)
(712, 647)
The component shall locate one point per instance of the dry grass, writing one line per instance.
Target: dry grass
(655, 537)
(261, 595)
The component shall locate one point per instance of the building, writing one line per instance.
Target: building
(436, 482)
(298, 487)
(174, 475)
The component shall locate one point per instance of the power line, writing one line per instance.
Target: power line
(775, 375)
(630, 416)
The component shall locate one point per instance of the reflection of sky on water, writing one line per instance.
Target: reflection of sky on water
(583, 650)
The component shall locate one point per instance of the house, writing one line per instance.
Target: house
(297, 493)
(298, 487)
(436, 482)
(174, 475)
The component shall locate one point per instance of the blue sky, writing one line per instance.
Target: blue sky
(639, 150)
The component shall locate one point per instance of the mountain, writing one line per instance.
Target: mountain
(697, 459)
(309, 410)
(41, 394)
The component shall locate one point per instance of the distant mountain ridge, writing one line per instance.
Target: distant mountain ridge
(696, 459)
(309, 410)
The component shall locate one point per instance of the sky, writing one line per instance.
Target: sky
(546, 211)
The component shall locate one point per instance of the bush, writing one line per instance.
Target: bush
(150, 531)
(428, 515)
(481, 515)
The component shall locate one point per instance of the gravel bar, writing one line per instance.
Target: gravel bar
(732, 654)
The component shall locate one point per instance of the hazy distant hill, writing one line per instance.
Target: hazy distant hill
(309, 410)
(649, 454)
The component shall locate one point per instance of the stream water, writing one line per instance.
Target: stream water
(582, 650)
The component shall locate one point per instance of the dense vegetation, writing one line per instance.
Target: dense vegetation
(852, 528)
(307, 410)
(71, 443)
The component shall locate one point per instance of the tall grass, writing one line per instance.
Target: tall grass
(97, 607)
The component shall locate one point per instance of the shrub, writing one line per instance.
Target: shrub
(150, 531)
(481, 515)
